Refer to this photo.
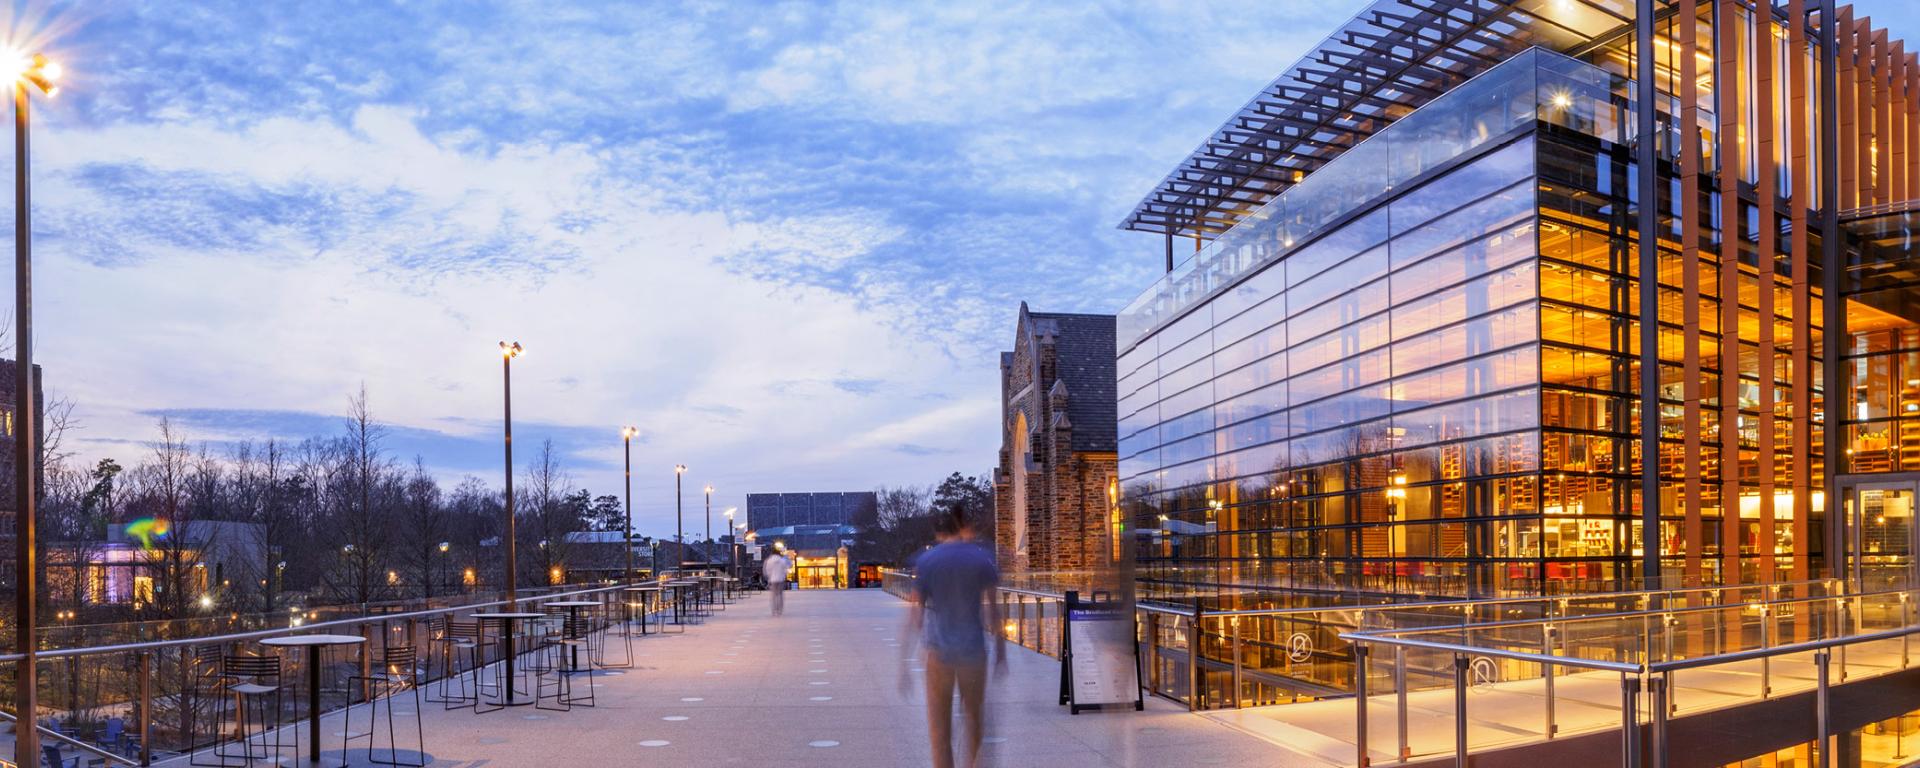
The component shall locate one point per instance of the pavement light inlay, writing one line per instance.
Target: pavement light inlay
(674, 718)
(655, 743)
(823, 743)
(692, 698)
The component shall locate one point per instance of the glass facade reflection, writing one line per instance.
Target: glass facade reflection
(1416, 371)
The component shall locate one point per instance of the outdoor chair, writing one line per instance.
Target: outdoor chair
(455, 639)
(398, 673)
(255, 680)
(204, 684)
(50, 757)
(555, 683)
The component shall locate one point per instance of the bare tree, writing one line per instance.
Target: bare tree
(361, 576)
(552, 508)
(162, 499)
(424, 529)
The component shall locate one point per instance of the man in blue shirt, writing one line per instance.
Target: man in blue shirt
(953, 612)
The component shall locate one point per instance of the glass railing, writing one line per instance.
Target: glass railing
(1535, 86)
(1545, 679)
(129, 698)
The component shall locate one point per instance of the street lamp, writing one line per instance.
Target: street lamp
(704, 555)
(626, 441)
(507, 353)
(679, 540)
(27, 75)
(733, 544)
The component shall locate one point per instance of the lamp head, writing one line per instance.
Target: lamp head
(679, 469)
(709, 489)
(511, 351)
(36, 70)
(629, 432)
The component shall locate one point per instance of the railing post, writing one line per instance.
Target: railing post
(1400, 693)
(1459, 710)
(1629, 720)
(1238, 692)
(145, 666)
(1360, 703)
(1547, 673)
(366, 661)
(1846, 627)
(1822, 712)
(1153, 651)
(1194, 702)
(1766, 641)
(1660, 687)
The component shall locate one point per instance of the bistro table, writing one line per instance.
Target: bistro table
(680, 588)
(313, 644)
(573, 621)
(507, 619)
(646, 595)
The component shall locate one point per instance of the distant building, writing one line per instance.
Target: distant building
(8, 401)
(124, 570)
(775, 510)
(1053, 489)
(820, 553)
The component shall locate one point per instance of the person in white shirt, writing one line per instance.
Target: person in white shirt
(775, 569)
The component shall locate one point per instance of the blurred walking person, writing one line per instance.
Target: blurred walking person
(952, 613)
(775, 569)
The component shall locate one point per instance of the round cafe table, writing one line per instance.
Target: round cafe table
(646, 595)
(313, 644)
(507, 619)
(681, 590)
(573, 621)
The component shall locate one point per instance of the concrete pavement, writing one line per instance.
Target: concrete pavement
(817, 687)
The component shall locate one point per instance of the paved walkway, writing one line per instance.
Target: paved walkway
(817, 687)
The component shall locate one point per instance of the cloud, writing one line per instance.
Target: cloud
(785, 240)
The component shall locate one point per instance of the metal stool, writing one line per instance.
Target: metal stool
(398, 672)
(255, 678)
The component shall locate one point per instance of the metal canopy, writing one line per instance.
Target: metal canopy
(1389, 59)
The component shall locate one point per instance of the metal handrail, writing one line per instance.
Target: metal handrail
(1394, 638)
(1615, 616)
(1494, 600)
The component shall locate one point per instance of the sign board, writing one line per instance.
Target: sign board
(1099, 656)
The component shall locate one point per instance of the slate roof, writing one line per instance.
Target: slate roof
(1084, 345)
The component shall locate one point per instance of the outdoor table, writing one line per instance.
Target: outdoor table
(313, 644)
(573, 621)
(645, 594)
(680, 598)
(507, 619)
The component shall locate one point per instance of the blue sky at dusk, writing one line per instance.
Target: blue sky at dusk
(786, 240)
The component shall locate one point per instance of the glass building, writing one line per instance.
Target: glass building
(1429, 333)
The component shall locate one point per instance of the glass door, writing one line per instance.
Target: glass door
(1883, 535)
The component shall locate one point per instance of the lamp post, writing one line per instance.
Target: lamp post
(679, 539)
(38, 73)
(626, 440)
(733, 544)
(705, 564)
(507, 353)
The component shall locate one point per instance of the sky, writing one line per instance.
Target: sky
(785, 240)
